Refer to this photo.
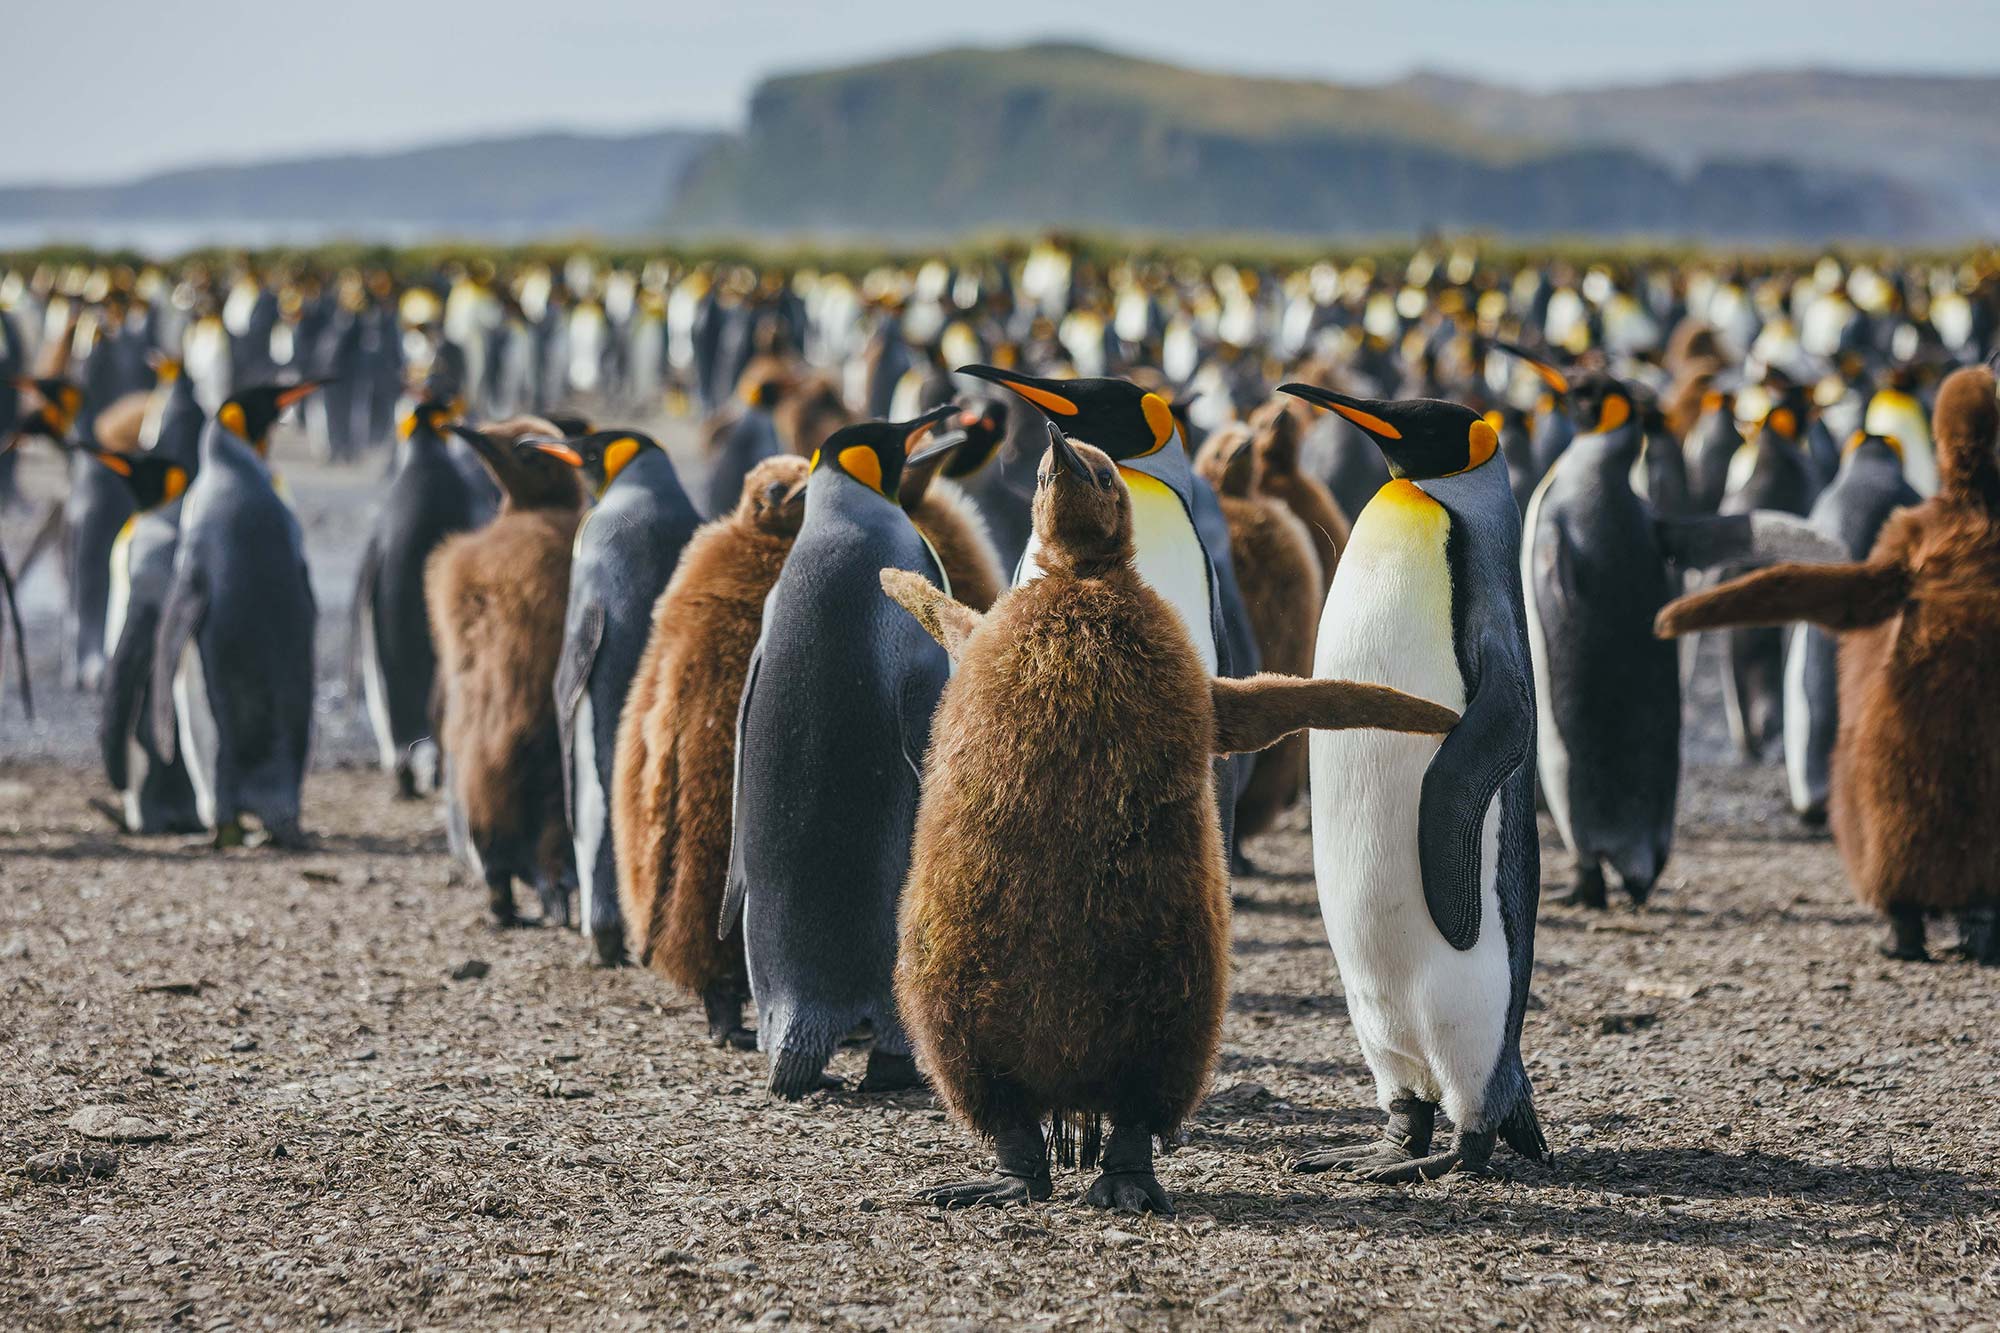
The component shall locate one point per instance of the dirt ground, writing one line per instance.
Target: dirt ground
(377, 1111)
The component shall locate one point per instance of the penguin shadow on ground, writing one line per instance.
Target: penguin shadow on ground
(1786, 1199)
(1248, 1117)
(430, 842)
(1295, 908)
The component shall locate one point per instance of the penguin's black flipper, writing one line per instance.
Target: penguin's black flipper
(1257, 713)
(186, 601)
(361, 605)
(572, 677)
(1492, 740)
(20, 639)
(1760, 537)
(125, 681)
(737, 886)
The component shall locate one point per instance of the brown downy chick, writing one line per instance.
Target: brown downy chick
(496, 597)
(670, 803)
(948, 517)
(1065, 929)
(1279, 577)
(1916, 764)
(1276, 430)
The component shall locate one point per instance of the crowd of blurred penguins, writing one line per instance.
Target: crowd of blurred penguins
(1007, 597)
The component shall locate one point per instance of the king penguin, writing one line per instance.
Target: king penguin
(624, 553)
(233, 671)
(1426, 854)
(1179, 536)
(155, 793)
(429, 499)
(1868, 488)
(831, 735)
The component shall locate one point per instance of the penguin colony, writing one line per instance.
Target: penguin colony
(1012, 617)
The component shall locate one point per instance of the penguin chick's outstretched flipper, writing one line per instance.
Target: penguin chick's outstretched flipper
(1760, 537)
(179, 619)
(1495, 736)
(1258, 712)
(1835, 597)
(950, 622)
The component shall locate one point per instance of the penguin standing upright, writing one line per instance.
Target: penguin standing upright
(1282, 588)
(1068, 958)
(1916, 764)
(1180, 539)
(1276, 434)
(428, 501)
(155, 792)
(1868, 488)
(1426, 854)
(835, 719)
(624, 553)
(677, 747)
(233, 670)
(947, 516)
(1711, 444)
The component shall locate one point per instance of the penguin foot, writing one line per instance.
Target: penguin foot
(996, 1191)
(724, 1008)
(406, 783)
(1588, 891)
(1355, 1157)
(1468, 1157)
(1130, 1192)
(888, 1072)
(286, 838)
(227, 836)
(1406, 1136)
(1906, 936)
(1978, 937)
(555, 904)
(607, 948)
(110, 812)
(1241, 865)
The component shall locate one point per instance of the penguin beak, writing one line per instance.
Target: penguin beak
(299, 392)
(1355, 410)
(1242, 447)
(1045, 394)
(1547, 373)
(557, 449)
(915, 430)
(795, 493)
(1066, 454)
(935, 449)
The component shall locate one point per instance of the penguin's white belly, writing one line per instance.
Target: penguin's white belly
(119, 603)
(199, 738)
(1551, 749)
(591, 809)
(1170, 558)
(375, 688)
(1429, 1018)
(1798, 720)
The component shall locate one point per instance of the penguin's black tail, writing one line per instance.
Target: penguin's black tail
(1523, 1132)
(796, 1072)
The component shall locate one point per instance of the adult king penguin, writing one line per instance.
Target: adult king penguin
(1426, 854)
(233, 671)
(429, 499)
(1179, 536)
(624, 553)
(830, 736)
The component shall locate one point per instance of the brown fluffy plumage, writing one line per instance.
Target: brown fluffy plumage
(1065, 927)
(956, 530)
(1279, 577)
(676, 753)
(1275, 431)
(1916, 765)
(810, 411)
(496, 598)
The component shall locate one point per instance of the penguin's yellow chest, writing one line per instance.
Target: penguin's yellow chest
(1388, 615)
(1171, 558)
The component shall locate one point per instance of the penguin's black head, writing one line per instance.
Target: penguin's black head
(985, 427)
(531, 479)
(600, 455)
(249, 414)
(153, 480)
(874, 452)
(432, 416)
(774, 495)
(1082, 510)
(1601, 405)
(1789, 412)
(570, 424)
(61, 401)
(1117, 416)
(1422, 438)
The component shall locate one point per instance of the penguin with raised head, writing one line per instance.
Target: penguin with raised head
(1771, 471)
(947, 516)
(155, 793)
(1053, 965)
(1916, 761)
(1868, 488)
(428, 500)
(624, 553)
(677, 747)
(835, 719)
(496, 597)
(1426, 855)
(1282, 590)
(1180, 540)
(233, 669)
(1277, 431)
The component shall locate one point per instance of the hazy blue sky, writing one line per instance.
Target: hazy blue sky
(96, 89)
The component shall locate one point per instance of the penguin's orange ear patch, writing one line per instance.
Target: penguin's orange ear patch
(1783, 421)
(116, 464)
(1368, 421)
(1482, 442)
(859, 462)
(1159, 418)
(177, 482)
(1617, 410)
(616, 455)
(232, 419)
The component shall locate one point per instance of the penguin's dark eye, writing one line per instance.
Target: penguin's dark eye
(1103, 480)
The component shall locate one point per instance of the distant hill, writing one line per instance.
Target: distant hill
(1940, 133)
(1072, 135)
(519, 185)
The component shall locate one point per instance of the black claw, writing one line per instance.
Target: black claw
(890, 1073)
(1130, 1192)
(1587, 892)
(995, 1191)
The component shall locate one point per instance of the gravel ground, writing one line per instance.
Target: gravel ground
(367, 1108)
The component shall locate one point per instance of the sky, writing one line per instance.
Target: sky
(105, 89)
